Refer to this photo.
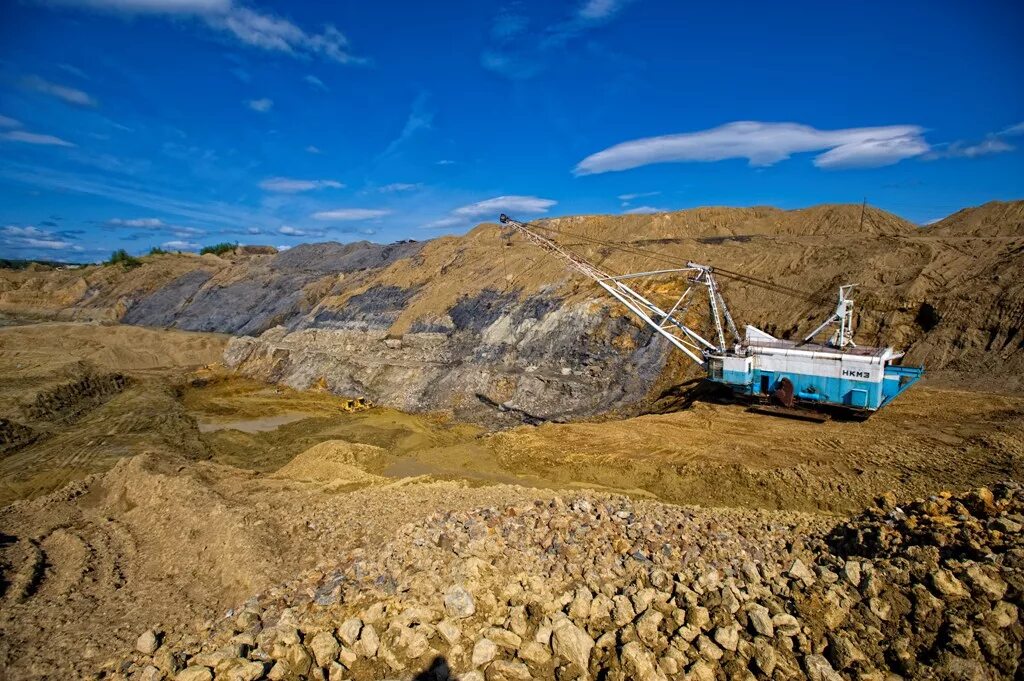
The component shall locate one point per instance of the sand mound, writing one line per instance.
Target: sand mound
(334, 461)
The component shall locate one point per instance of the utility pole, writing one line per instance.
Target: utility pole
(863, 205)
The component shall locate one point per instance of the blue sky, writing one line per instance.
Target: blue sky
(138, 123)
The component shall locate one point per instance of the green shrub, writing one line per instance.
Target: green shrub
(218, 249)
(156, 250)
(121, 257)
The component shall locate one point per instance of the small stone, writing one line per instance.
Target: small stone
(1003, 615)
(991, 586)
(845, 653)
(505, 670)
(194, 674)
(349, 630)
(459, 603)
(786, 624)
(851, 571)
(325, 648)
(708, 650)
(244, 671)
(765, 657)
(347, 656)
(728, 637)
(504, 638)
(698, 617)
(368, 642)
(483, 652)
(949, 586)
(299, 660)
(647, 626)
(700, 671)
(150, 673)
(761, 620)
(818, 669)
(572, 643)
(801, 572)
(535, 653)
(639, 663)
(147, 643)
(579, 609)
(449, 631)
(336, 672)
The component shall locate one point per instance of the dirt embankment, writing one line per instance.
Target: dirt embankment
(476, 322)
(189, 495)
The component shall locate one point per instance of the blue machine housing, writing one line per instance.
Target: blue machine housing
(857, 378)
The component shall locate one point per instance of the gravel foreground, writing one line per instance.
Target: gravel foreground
(590, 586)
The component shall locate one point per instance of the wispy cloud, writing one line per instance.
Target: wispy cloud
(133, 193)
(24, 238)
(262, 105)
(643, 210)
(68, 94)
(638, 195)
(156, 225)
(35, 138)
(764, 144)
(420, 118)
(396, 187)
(7, 122)
(288, 185)
(1013, 130)
(463, 215)
(521, 51)
(994, 143)
(249, 26)
(316, 83)
(596, 10)
(180, 245)
(311, 149)
(137, 223)
(351, 214)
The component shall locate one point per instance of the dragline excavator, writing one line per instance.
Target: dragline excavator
(833, 373)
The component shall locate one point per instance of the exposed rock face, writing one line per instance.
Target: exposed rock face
(562, 364)
(487, 329)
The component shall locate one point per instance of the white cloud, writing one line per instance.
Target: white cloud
(316, 83)
(399, 187)
(639, 195)
(1017, 129)
(517, 204)
(18, 238)
(180, 245)
(262, 105)
(643, 210)
(872, 153)
(288, 185)
(764, 144)
(595, 10)
(7, 122)
(445, 162)
(68, 94)
(519, 51)
(492, 207)
(419, 119)
(258, 29)
(349, 214)
(986, 147)
(291, 231)
(313, 150)
(137, 223)
(35, 138)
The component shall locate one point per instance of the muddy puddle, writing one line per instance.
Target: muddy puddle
(260, 424)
